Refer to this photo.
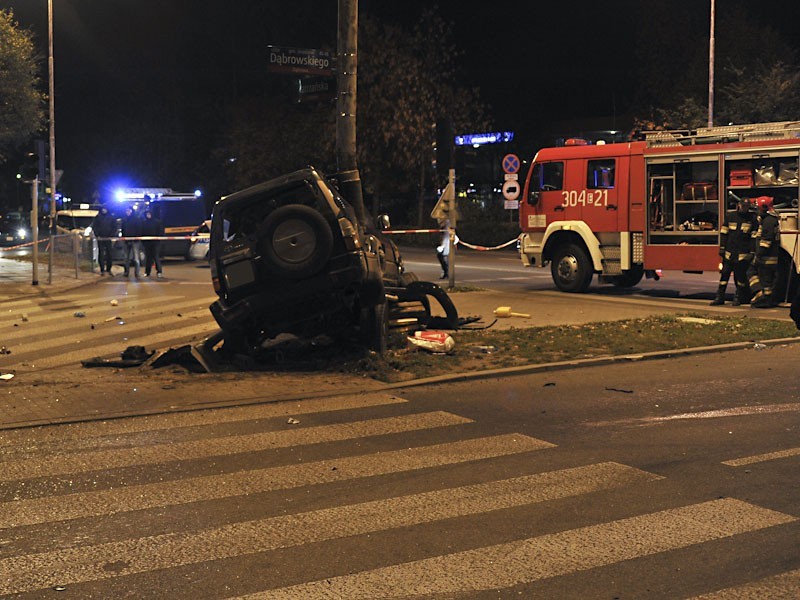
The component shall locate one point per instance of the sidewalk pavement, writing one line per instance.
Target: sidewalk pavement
(16, 279)
(78, 394)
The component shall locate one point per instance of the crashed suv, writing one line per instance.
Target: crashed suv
(289, 256)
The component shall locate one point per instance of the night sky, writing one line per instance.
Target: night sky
(534, 62)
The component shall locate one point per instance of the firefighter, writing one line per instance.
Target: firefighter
(736, 251)
(764, 268)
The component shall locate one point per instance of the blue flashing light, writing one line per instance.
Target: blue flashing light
(480, 139)
(197, 193)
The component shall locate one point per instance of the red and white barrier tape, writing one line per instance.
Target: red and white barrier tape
(484, 248)
(393, 231)
(460, 241)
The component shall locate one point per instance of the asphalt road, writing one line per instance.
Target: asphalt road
(663, 480)
(660, 479)
(503, 270)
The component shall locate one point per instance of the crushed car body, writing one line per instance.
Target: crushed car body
(289, 256)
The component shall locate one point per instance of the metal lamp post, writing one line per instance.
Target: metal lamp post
(711, 66)
(52, 135)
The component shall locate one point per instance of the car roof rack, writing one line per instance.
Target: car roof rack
(722, 134)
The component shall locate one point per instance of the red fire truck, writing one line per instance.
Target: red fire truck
(626, 210)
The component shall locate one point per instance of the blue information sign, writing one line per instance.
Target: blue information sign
(479, 139)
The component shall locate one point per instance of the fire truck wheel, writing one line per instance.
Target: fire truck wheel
(571, 268)
(629, 278)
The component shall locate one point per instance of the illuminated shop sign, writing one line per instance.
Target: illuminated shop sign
(479, 139)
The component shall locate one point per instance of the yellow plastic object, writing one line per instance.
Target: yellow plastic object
(505, 312)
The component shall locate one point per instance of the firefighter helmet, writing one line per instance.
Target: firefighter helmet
(764, 202)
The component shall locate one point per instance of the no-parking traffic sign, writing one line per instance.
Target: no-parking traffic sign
(511, 163)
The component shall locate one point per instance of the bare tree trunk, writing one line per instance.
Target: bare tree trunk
(346, 157)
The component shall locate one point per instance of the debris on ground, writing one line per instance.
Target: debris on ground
(611, 389)
(698, 320)
(185, 356)
(485, 349)
(438, 342)
(132, 356)
(505, 312)
(6, 376)
(4, 350)
(293, 421)
(79, 314)
(114, 302)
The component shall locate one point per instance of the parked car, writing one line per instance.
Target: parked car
(201, 238)
(289, 256)
(14, 231)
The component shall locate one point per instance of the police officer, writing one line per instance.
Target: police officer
(132, 228)
(764, 268)
(736, 251)
(104, 227)
(152, 227)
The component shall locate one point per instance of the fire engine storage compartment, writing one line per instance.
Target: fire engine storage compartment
(690, 190)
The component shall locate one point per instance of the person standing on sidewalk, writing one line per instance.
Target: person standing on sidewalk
(104, 228)
(152, 227)
(736, 252)
(132, 228)
(443, 249)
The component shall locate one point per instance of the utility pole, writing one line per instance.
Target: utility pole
(50, 65)
(347, 64)
(711, 66)
(35, 229)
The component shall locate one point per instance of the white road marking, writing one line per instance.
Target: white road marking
(116, 458)
(77, 436)
(173, 493)
(77, 565)
(758, 458)
(533, 559)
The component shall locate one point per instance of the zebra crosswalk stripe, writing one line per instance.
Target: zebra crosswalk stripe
(77, 565)
(78, 436)
(211, 487)
(533, 559)
(82, 462)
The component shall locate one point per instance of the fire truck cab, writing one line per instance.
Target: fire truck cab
(624, 210)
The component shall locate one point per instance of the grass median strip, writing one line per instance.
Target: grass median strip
(502, 348)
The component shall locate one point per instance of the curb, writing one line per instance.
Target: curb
(426, 381)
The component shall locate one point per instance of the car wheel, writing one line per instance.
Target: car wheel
(571, 269)
(295, 241)
(374, 327)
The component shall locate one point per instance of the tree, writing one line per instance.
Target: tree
(764, 93)
(757, 78)
(270, 136)
(21, 102)
(407, 79)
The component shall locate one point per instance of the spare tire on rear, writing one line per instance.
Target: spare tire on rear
(295, 241)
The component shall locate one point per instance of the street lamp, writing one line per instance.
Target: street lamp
(711, 67)
(52, 134)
